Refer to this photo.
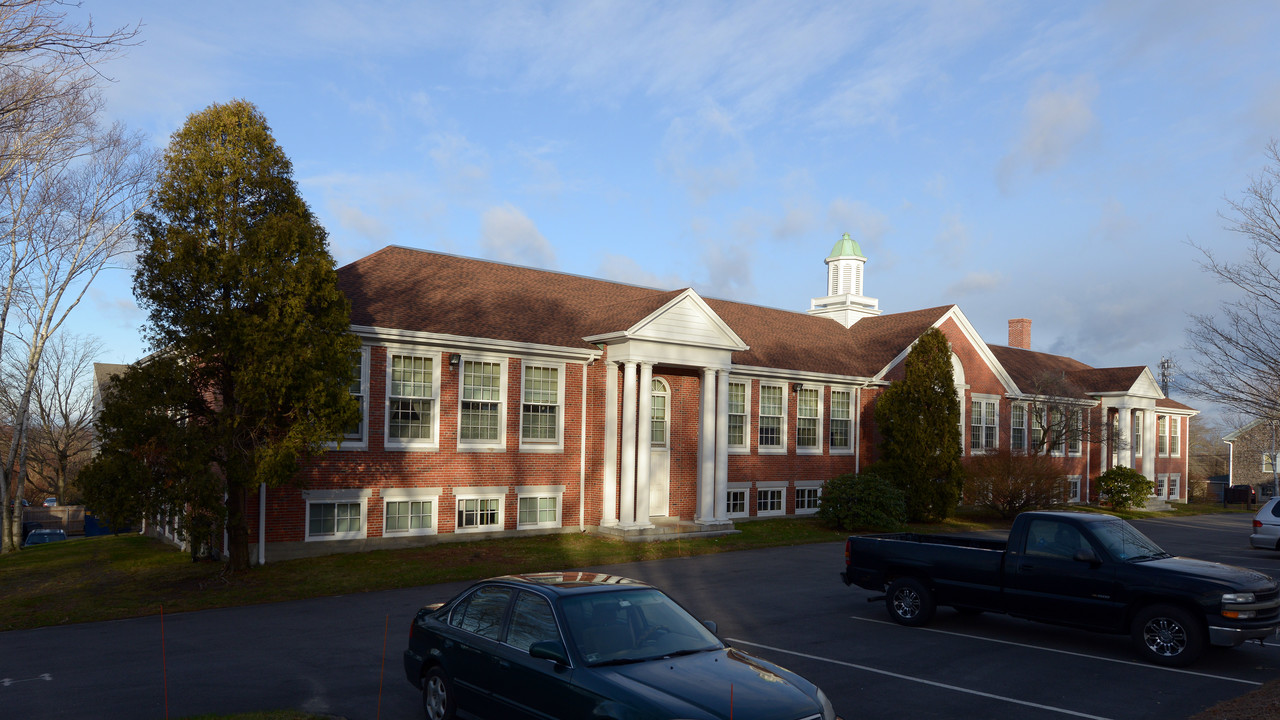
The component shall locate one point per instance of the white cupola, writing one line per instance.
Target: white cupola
(845, 302)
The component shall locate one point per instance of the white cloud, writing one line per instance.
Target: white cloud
(621, 268)
(506, 234)
(1057, 121)
(868, 225)
(976, 283)
(706, 154)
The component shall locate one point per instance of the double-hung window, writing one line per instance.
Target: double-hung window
(808, 420)
(1036, 416)
(1058, 426)
(1162, 435)
(769, 498)
(409, 511)
(1137, 433)
(541, 406)
(335, 514)
(841, 436)
(808, 497)
(1175, 436)
(772, 418)
(739, 423)
(736, 499)
(482, 411)
(983, 422)
(1018, 428)
(479, 509)
(538, 506)
(355, 434)
(412, 388)
(1075, 431)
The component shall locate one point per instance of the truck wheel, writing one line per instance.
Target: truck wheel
(1167, 635)
(910, 602)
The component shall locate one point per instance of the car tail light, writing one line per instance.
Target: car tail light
(1257, 523)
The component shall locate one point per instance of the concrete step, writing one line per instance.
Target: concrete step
(667, 528)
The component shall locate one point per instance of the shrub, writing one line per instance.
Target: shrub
(1124, 487)
(862, 502)
(1010, 483)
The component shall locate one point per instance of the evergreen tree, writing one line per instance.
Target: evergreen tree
(919, 422)
(251, 336)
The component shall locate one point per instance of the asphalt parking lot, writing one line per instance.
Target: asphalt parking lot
(341, 655)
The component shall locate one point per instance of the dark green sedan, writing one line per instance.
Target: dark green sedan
(564, 646)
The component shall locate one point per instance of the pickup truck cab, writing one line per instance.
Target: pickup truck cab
(1071, 568)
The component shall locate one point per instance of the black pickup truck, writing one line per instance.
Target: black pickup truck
(1071, 568)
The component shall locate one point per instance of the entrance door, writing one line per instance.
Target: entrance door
(660, 451)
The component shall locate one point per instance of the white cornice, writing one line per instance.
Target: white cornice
(462, 341)
(802, 376)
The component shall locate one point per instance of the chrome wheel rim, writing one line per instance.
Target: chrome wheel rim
(1164, 636)
(435, 699)
(906, 603)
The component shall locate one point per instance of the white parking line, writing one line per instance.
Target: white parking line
(909, 678)
(1148, 666)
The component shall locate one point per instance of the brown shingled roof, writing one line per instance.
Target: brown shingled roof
(417, 290)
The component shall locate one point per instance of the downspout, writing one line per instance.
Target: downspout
(262, 524)
(582, 453)
(857, 431)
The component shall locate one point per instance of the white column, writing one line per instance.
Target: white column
(644, 444)
(609, 512)
(1125, 441)
(1149, 444)
(707, 448)
(722, 445)
(627, 511)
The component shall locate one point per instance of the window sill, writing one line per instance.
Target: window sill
(547, 449)
(392, 446)
(407, 533)
(338, 536)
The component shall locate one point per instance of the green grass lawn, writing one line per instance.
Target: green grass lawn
(107, 578)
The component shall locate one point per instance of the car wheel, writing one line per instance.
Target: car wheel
(910, 602)
(437, 695)
(1168, 635)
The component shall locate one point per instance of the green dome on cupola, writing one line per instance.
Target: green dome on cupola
(846, 246)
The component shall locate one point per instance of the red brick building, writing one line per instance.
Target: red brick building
(503, 400)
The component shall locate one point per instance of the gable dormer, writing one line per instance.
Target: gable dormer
(845, 302)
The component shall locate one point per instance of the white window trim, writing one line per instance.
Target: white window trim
(1078, 414)
(481, 493)
(544, 446)
(745, 447)
(1175, 479)
(1026, 427)
(839, 449)
(540, 491)
(411, 495)
(500, 444)
(782, 430)
(817, 431)
(352, 442)
(328, 497)
(1135, 432)
(1175, 421)
(745, 489)
(807, 485)
(436, 371)
(665, 445)
(1162, 485)
(1074, 497)
(984, 398)
(774, 486)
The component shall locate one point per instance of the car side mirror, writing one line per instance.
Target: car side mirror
(1086, 555)
(549, 650)
(710, 625)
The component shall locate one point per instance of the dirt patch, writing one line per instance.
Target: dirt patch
(1261, 704)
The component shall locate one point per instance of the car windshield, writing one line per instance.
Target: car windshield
(633, 626)
(1125, 543)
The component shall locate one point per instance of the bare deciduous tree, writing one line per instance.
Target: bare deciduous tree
(60, 441)
(1237, 351)
(68, 188)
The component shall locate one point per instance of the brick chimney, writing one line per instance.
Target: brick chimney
(1020, 333)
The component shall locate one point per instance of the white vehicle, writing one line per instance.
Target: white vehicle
(1266, 526)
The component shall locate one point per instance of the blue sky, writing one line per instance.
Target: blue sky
(1019, 159)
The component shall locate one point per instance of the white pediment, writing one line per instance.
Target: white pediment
(687, 320)
(1146, 385)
